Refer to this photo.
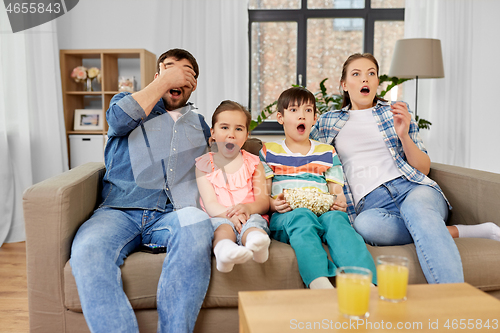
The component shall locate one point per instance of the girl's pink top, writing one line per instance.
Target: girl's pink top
(232, 188)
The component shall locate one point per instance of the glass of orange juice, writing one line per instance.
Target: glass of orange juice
(353, 290)
(392, 277)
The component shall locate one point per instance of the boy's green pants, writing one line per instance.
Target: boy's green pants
(306, 232)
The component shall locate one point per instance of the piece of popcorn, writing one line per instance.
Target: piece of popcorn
(318, 202)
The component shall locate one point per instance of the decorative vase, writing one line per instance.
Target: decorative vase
(88, 85)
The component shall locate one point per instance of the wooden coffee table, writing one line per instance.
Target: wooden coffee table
(444, 307)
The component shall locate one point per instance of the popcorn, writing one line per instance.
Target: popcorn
(318, 202)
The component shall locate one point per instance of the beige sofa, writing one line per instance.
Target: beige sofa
(55, 208)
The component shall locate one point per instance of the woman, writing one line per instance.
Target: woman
(390, 199)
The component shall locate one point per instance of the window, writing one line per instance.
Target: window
(305, 41)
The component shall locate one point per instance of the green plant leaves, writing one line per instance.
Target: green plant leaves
(264, 114)
(394, 81)
(326, 102)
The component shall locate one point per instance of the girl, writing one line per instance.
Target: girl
(390, 199)
(233, 190)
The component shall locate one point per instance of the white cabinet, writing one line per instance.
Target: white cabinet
(86, 148)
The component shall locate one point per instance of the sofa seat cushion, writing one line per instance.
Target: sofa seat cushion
(280, 271)
(416, 276)
(141, 272)
(481, 262)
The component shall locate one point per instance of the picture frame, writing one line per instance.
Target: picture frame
(88, 120)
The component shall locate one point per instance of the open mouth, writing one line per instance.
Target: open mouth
(230, 146)
(365, 90)
(301, 128)
(175, 92)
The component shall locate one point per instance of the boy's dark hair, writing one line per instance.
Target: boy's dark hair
(228, 105)
(297, 95)
(346, 100)
(178, 54)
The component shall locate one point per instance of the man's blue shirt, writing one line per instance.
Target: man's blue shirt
(150, 160)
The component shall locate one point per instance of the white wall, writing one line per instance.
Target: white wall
(107, 24)
(110, 24)
(485, 93)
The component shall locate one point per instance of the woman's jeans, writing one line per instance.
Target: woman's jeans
(110, 235)
(306, 232)
(402, 212)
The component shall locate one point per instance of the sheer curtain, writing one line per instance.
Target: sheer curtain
(216, 33)
(445, 102)
(32, 140)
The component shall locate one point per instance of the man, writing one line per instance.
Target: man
(149, 196)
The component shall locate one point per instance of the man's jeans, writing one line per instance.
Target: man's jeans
(401, 212)
(110, 235)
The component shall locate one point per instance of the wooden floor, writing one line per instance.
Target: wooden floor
(13, 289)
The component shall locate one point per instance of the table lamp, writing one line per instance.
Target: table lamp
(417, 58)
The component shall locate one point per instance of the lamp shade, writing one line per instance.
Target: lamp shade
(417, 57)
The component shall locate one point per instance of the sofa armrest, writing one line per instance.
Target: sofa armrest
(54, 209)
(472, 193)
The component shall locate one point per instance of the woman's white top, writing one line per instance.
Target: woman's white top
(366, 160)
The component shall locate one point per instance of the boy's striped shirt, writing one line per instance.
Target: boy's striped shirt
(294, 170)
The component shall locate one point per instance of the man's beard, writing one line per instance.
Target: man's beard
(173, 105)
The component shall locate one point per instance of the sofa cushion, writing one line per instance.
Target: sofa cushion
(280, 271)
(416, 276)
(481, 262)
(253, 146)
(141, 272)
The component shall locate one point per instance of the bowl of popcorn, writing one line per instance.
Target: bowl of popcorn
(313, 199)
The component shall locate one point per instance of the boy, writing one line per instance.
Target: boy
(298, 162)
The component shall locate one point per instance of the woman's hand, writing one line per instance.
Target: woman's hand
(280, 205)
(415, 157)
(402, 119)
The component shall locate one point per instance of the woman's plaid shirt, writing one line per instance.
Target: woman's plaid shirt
(329, 125)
